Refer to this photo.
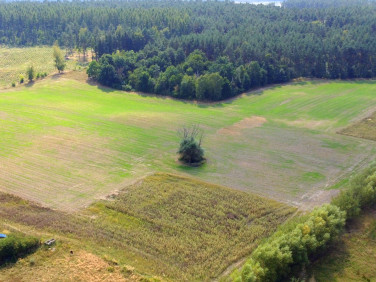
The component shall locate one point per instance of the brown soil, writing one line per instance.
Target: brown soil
(246, 123)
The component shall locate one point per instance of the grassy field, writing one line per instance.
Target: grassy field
(354, 257)
(167, 225)
(15, 61)
(65, 143)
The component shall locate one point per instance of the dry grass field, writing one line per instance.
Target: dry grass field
(15, 61)
(165, 225)
(366, 128)
(65, 143)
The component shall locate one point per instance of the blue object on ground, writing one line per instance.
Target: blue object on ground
(3, 236)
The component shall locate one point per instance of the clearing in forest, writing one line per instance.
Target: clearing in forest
(65, 143)
(15, 61)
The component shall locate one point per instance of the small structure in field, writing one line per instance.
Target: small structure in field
(2, 236)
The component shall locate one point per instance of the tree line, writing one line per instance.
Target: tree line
(202, 50)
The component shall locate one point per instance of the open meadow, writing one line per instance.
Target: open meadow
(65, 143)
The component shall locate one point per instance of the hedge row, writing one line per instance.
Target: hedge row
(293, 245)
(310, 234)
(15, 246)
(360, 194)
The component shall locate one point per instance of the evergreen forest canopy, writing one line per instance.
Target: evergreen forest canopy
(202, 50)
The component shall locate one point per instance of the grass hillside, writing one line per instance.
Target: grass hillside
(353, 258)
(65, 143)
(165, 225)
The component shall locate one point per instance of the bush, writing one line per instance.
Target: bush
(13, 84)
(30, 73)
(94, 69)
(360, 194)
(15, 246)
(190, 150)
(126, 87)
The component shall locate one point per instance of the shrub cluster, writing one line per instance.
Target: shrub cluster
(293, 245)
(41, 75)
(360, 194)
(15, 246)
(190, 149)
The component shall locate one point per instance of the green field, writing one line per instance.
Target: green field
(165, 225)
(65, 143)
(15, 61)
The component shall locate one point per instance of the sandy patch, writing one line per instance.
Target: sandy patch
(310, 201)
(80, 266)
(246, 123)
(305, 123)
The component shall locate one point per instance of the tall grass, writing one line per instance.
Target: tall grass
(186, 229)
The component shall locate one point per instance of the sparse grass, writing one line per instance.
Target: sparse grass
(69, 142)
(58, 264)
(14, 62)
(167, 225)
(313, 176)
(353, 258)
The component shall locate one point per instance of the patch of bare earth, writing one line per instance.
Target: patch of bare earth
(246, 123)
(316, 199)
(310, 124)
(79, 266)
(80, 76)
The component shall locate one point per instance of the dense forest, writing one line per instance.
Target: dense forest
(202, 50)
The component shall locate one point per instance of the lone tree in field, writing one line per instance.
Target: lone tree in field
(190, 150)
(59, 58)
(30, 72)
